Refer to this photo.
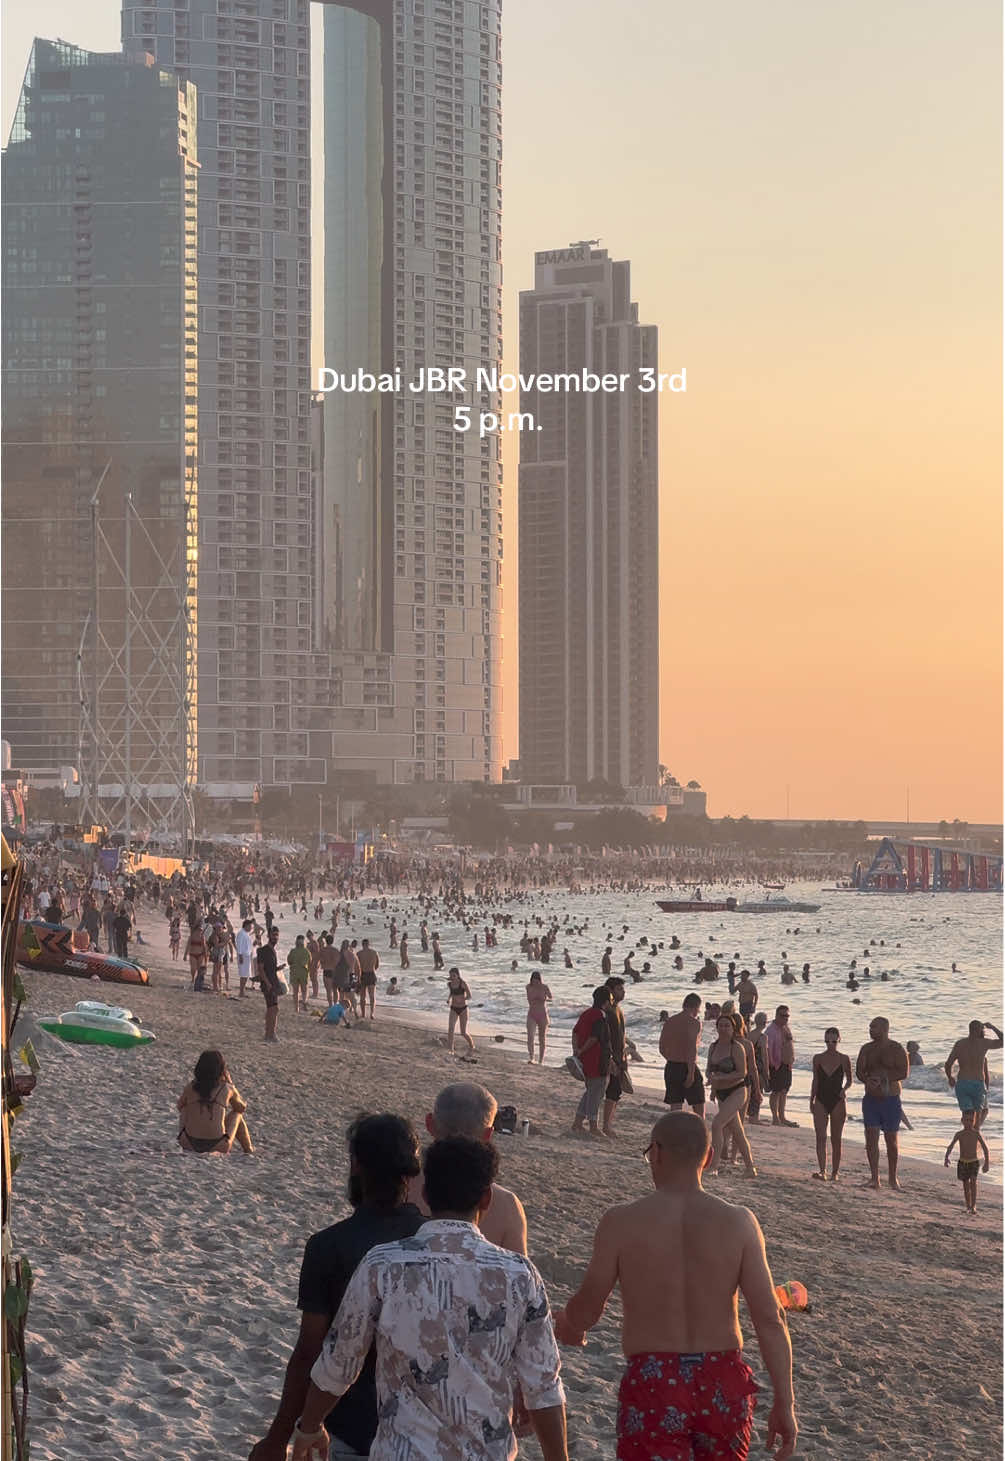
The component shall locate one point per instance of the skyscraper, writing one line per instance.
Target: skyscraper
(362, 631)
(100, 377)
(412, 535)
(258, 675)
(589, 489)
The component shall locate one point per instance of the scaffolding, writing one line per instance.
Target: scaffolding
(136, 672)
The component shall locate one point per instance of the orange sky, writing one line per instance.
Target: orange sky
(810, 197)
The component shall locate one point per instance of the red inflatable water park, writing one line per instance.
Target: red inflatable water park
(49, 947)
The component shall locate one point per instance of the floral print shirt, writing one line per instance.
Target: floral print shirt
(457, 1323)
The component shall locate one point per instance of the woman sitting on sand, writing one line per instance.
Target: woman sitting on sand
(831, 1078)
(538, 995)
(212, 1109)
(728, 1081)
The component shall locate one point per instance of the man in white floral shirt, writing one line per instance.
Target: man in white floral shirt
(457, 1324)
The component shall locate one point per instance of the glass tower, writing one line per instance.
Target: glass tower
(100, 439)
(413, 279)
(259, 678)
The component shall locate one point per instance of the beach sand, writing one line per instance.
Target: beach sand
(165, 1301)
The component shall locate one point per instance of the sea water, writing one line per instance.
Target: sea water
(912, 938)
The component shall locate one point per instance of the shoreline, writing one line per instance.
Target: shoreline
(647, 1076)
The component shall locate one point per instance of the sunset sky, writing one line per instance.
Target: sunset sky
(810, 197)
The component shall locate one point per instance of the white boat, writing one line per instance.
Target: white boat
(778, 905)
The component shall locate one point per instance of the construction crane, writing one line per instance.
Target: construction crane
(585, 243)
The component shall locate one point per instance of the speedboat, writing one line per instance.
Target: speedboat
(778, 905)
(697, 905)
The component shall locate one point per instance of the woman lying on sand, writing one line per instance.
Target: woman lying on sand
(211, 1110)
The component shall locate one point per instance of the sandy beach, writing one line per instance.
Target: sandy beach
(165, 1300)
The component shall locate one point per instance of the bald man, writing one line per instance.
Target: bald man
(467, 1109)
(681, 1256)
(882, 1065)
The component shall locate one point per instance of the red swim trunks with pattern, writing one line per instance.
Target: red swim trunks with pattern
(686, 1407)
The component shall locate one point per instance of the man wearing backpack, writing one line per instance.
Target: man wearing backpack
(268, 978)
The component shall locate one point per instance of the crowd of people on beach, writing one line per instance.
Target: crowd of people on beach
(225, 919)
(372, 1364)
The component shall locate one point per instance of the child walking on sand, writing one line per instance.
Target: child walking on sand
(968, 1165)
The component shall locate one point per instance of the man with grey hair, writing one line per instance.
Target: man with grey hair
(467, 1109)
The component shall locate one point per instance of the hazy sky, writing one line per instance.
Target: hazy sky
(810, 196)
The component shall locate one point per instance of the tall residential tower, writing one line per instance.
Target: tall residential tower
(589, 490)
(260, 682)
(359, 631)
(100, 436)
(411, 510)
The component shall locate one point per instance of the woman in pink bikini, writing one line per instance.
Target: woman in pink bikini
(538, 995)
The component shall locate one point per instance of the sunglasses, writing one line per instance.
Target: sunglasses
(645, 1154)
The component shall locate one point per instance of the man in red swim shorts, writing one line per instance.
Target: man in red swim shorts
(681, 1256)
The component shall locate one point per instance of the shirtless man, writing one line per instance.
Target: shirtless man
(368, 961)
(314, 949)
(679, 1040)
(881, 1066)
(747, 996)
(781, 1058)
(466, 1109)
(971, 1082)
(680, 1255)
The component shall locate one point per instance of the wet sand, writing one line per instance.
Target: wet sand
(165, 1299)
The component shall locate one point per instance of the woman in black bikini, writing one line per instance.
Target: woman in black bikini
(752, 1081)
(212, 1110)
(727, 1077)
(831, 1078)
(457, 997)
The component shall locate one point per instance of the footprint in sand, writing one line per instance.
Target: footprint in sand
(46, 1364)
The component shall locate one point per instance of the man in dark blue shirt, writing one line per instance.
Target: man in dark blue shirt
(384, 1156)
(268, 979)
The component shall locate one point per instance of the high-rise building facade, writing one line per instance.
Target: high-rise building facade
(100, 436)
(260, 681)
(411, 516)
(362, 632)
(588, 501)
